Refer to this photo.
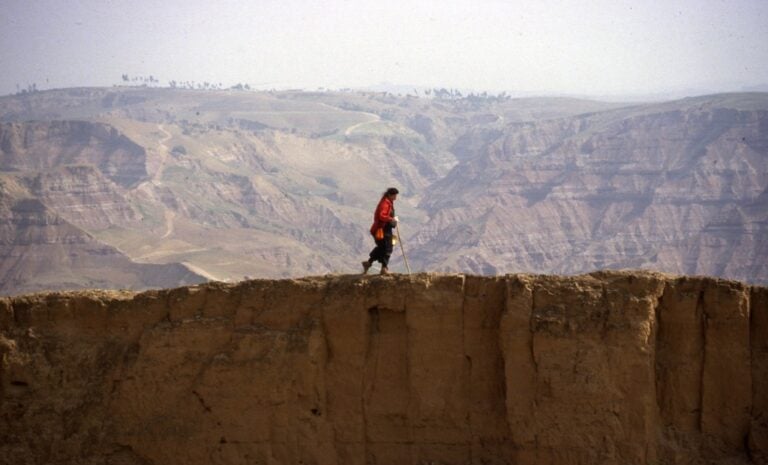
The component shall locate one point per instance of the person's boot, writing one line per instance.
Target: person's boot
(366, 266)
(384, 270)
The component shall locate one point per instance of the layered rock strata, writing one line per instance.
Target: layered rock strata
(41, 146)
(680, 189)
(40, 250)
(608, 368)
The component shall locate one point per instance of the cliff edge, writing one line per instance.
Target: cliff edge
(607, 368)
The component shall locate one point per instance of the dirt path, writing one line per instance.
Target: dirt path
(201, 272)
(162, 150)
(354, 127)
(157, 179)
(169, 217)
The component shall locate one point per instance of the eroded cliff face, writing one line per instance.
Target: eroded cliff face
(42, 146)
(619, 368)
(40, 250)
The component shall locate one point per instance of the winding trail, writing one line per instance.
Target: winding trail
(162, 150)
(201, 272)
(354, 127)
(170, 215)
(157, 178)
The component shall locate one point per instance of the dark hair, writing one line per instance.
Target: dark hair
(392, 191)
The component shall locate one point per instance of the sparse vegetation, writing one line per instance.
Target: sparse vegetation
(30, 89)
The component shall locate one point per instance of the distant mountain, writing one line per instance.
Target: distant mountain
(679, 186)
(227, 184)
(757, 88)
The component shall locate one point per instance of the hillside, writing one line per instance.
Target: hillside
(611, 368)
(678, 186)
(41, 250)
(227, 184)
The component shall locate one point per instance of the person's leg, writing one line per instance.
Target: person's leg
(374, 256)
(386, 252)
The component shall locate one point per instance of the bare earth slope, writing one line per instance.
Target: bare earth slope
(57, 181)
(609, 368)
(40, 250)
(282, 184)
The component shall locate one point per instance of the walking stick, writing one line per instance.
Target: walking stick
(402, 249)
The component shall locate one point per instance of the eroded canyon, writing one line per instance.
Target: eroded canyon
(151, 188)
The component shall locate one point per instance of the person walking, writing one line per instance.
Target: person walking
(384, 221)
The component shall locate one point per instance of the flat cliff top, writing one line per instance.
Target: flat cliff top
(106, 295)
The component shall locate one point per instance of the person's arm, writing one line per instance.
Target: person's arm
(385, 212)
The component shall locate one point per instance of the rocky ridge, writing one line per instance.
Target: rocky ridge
(611, 368)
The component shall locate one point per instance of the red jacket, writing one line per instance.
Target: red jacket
(383, 215)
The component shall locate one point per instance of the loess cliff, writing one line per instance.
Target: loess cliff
(607, 368)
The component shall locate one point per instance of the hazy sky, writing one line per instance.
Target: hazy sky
(592, 47)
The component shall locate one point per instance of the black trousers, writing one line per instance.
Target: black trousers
(382, 251)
